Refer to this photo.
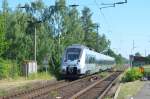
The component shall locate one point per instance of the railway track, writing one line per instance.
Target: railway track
(99, 89)
(69, 90)
(78, 89)
(48, 90)
(28, 94)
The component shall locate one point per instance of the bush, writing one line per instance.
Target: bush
(8, 69)
(146, 72)
(132, 75)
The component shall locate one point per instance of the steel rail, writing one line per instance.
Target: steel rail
(42, 90)
(75, 96)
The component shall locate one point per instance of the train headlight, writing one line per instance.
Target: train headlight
(78, 61)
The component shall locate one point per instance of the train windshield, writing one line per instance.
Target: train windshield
(73, 54)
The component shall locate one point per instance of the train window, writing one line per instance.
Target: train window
(94, 60)
(90, 59)
(73, 54)
(104, 62)
(78, 50)
(86, 59)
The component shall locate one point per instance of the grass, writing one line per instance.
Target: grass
(104, 74)
(40, 76)
(6, 86)
(34, 76)
(147, 68)
(108, 97)
(119, 67)
(3, 93)
(54, 93)
(22, 83)
(129, 89)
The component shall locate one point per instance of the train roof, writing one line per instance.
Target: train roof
(106, 57)
(77, 46)
(85, 47)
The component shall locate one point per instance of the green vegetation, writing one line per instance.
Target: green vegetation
(3, 93)
(147, 70)
(8, 69)
(54, 93)
(132, 74)
(129, 89)
(22, 83)
(131, 84)
(119, 67)
(104, 74)
(40, 76)
(138, 54)
(56, 27)
(118, 58)
(108, 97)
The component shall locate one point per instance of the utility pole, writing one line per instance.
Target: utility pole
(35, 33)
(97, 26)
(85, 27)
(35, 43)
(132, 56)
(145, 52)
(133, 47)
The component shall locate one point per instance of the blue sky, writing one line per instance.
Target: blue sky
(121, 24)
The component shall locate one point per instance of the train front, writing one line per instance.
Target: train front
(70, 66)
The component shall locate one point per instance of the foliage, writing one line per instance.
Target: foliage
(119, 59)
(146, 71)
(91, 38)
(3, 93)
(137, 54)
(132, 75)
(3, 27)
(87, 24)
(8, 69)
(3, 42)
(103, 74)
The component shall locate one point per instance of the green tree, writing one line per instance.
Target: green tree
(73, 30)
(110, 52)
(137, 54)
(87, 24)
(91, 38)
(118, 58)
(21, 34)
(3, 42)
(3, 26)
(103, 43)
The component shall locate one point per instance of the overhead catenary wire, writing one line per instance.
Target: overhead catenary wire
(104, 17)
(108, 24)
(108, 5)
